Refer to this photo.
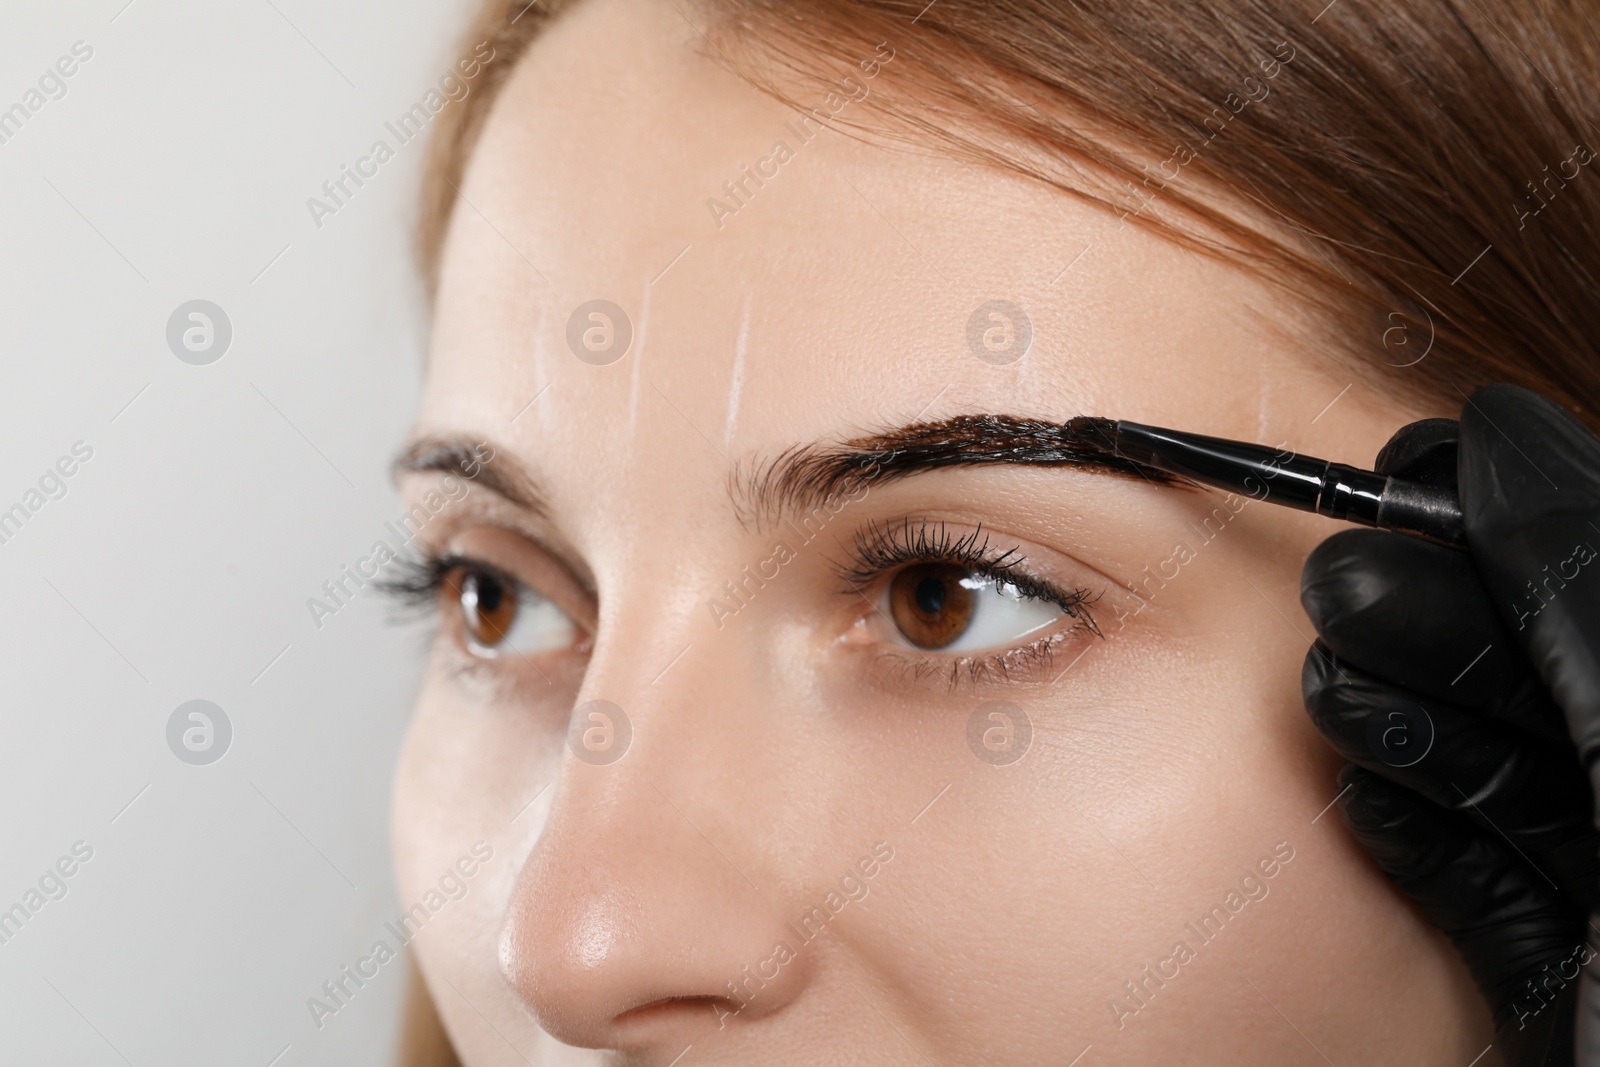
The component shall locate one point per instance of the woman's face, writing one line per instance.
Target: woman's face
(987, 763)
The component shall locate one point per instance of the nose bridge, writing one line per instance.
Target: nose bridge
(645, 885)
(663, 671)
(673, 692)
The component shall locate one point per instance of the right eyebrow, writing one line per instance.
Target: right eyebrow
(501, 472)
(806, 476)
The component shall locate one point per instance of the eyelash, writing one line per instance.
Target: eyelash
(417, 583)
(884, 547)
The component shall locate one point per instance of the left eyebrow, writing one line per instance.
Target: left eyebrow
(481, 462)
(807, 476)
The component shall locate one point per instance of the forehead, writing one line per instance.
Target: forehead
(775, 284)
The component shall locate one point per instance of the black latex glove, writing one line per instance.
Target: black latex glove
(1468, 702)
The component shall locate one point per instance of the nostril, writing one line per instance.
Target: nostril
(574, 950)
(674, 1011)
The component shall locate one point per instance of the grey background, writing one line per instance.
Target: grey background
(218, 499)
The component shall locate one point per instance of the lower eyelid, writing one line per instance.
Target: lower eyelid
(1033, 662)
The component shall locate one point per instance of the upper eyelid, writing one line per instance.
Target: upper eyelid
(543, 573)
(446, 562)
(492, 513)
(882, 547)
(420, 581)
(467, 561)
(1036, 567)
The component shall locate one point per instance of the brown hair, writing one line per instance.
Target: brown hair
(1411, 173)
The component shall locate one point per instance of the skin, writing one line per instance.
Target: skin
(772, 752)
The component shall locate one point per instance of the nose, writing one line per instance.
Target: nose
(644, 914)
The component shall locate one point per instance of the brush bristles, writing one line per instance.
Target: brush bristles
(1090, 431)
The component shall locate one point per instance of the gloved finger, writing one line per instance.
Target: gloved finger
(1422, 451)
(1419, 615)
(1588, 1039)
(1530, 494)
(1512, 929)
(1529, 791)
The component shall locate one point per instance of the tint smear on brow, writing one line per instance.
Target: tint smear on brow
(968, 439)
(818, 471)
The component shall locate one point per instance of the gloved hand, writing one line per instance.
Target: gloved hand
(1465, 691)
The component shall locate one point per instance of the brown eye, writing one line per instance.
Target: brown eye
(501, 616)
(932, 603)
(488, 606)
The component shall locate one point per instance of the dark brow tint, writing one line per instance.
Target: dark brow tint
(807, 475)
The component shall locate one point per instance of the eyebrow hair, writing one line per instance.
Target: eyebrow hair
(499, 471)
(805, 477)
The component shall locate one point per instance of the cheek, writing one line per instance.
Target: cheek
(467, 773)
(1159, 773)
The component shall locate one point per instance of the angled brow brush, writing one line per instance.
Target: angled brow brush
(1301, 482)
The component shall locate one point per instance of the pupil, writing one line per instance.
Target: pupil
(489, 594)
(931, 594)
